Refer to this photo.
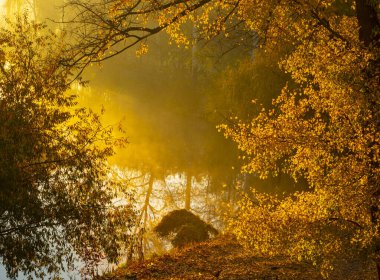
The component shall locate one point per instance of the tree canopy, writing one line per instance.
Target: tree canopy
(325, 128)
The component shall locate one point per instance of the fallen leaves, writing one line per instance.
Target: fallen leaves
(219, 258)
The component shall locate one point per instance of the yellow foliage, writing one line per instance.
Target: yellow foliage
(325, 129)
(324, 126)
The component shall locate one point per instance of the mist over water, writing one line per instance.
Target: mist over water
(170, 111)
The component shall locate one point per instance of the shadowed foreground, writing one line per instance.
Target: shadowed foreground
(224, 258)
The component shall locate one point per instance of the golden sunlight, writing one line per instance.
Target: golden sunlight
(189, 139)
(3, 8)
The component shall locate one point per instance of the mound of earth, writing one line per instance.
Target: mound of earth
(186, 226)
(224, 258)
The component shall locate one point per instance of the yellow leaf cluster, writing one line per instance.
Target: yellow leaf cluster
(323, 128)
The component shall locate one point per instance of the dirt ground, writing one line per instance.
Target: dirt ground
(224, 258)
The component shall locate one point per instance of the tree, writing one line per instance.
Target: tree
(325, 129)
(57, 192)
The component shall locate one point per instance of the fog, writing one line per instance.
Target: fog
(169, 102)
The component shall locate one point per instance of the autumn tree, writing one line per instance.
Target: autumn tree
(57, 192)
(324, 129)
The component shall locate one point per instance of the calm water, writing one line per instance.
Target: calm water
(65, 276)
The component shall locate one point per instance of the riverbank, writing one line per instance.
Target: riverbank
(224, 258)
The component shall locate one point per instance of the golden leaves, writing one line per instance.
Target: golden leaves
(142, 49)
(323, 129)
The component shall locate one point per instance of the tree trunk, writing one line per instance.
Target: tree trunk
(147, 198)
(35, 11)
(194, 58)
(137, 243)
(188, 191)
(368, 21)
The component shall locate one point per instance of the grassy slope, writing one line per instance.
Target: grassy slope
(224, 258)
